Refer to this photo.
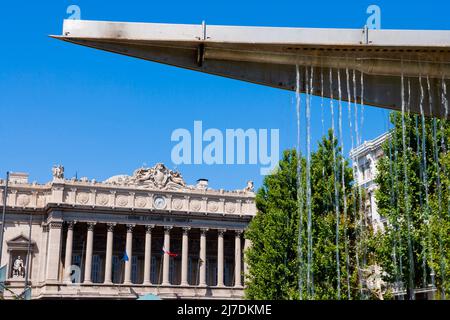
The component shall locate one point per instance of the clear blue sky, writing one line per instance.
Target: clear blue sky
(101, 114)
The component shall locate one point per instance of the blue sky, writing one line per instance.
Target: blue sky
(101, 114)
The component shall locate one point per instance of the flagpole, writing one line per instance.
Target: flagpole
(28, 260)
(5, 197)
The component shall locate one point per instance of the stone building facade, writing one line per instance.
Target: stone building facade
(148, 233)
(365, 158)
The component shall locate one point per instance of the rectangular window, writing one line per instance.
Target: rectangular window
(171, 269)
(134, 269)
(189, 275)
(76, 273)
(153, 271)
(116, 268)
(76, 259)
(226, 274)
(207, 271)
(211, 272)
(96, 265)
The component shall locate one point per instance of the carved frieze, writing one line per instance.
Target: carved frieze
(23, 200)
(230, 207)
(195, 205)
(213, 206)
(141, 202)
(83, 198)
(177, 203)
(102, 199)
(148, 188)
(122, 200)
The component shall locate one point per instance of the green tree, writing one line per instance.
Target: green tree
(415, 200)
(323, 174)
(273, 258)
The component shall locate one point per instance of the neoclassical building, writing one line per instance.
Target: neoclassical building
(148, 233)
(365, 158)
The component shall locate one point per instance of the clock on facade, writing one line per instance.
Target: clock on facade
(159, 202)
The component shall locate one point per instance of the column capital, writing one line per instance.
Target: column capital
(130, 227)
(110, 226)
(70, 224)
(186, 230)
(221, 231)
(45, 227)
(204, 230)
(91, 225)
(238, 232)
(167, 229)
(55, 224)
(149, 228)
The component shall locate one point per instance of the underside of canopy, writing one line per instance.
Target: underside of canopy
(269, 56)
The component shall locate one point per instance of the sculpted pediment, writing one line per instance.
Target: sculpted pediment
(158, 177)
(19, 242)
(19, 239)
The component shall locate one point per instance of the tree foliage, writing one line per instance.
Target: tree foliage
(276, 270)
(418, 210)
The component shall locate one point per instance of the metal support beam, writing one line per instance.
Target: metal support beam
(268, 56)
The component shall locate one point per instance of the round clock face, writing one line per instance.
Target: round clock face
(160, 202)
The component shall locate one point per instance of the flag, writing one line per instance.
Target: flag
(125, 256)
(171, 254)
(149, 296)
(3, 274)
(27, 294)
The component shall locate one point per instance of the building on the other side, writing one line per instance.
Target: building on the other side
(365, 158)
(149, 233)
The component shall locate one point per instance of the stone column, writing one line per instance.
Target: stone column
(43, 253)
(53, 251)
(148, 254)
(247, 244)
(109, 252)
(237, 259)
(129, 252)
(184, 257)
(202, 262)
(68, 257)
(166, 257)
(220, 268)
(89, 247)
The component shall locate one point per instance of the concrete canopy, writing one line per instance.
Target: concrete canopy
(269, 56)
